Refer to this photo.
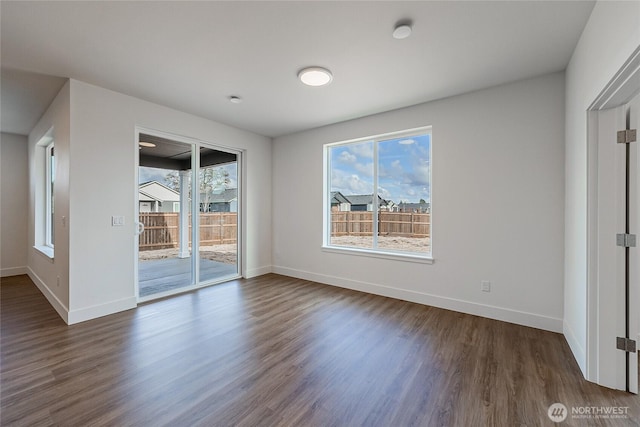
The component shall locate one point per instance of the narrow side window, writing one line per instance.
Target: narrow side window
(45, 193)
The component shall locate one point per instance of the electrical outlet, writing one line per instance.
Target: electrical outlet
(485, 286)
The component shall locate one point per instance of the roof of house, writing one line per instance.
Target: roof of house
(338, 197)
(226, 196)
(403, 205)
(364, 199)
(153, 190)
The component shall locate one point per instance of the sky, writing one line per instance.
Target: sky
(153, 174)
(404, 168)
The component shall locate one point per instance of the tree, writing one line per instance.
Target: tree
(213, 180)
(172, 180)
(423, 202)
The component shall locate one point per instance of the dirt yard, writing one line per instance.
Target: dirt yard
(220, 253)
(410, 244)
(227, 253)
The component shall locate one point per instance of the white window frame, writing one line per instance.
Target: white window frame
(374, 252)
(44, 195)
(49, 236)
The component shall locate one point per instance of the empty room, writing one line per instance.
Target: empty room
(319, 213)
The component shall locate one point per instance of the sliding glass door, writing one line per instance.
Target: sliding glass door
(218, 250)
(177, 178)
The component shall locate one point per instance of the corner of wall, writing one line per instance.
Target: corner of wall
(93, 312)
(576, 348)
(58, 305)
(13, 271)
(255, 272)
(51, 275)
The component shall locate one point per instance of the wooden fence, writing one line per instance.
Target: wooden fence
(162, 230)
(406, 224)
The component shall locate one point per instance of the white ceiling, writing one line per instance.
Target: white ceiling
(193, 55)
(24, 97)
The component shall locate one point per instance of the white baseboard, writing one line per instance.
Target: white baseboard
(13, 271)
(93, 312)
(577, 350)
(88, 313)
(58, 306)
(497, 313)
(254, 272)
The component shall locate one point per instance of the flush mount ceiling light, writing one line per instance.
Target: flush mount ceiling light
(402, 31)
(235, 99)
(146, 144)
(315, 76)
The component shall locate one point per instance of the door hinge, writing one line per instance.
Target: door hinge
(626, 240)
(626, 344)
(626, 136)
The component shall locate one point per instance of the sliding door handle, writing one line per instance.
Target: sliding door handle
(139, 228)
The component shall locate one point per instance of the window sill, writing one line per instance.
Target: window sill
(46, 251)
(421, 259)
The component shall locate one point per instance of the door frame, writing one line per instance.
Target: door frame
(622, 88)
(195, 203)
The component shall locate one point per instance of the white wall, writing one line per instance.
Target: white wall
(43, 270)
(14, 190)
(610, 36)
(498, 205)
(92, 273)
(103, 148)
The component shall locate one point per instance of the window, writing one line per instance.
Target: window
(45, 195)
(378, 194)
(50, 175)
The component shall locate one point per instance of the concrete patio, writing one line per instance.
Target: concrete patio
(162, 275)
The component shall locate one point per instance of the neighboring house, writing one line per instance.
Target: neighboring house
(364, 202)
(227, 201)
(156, 197)
(339, 202)
(414, 207)
(391, 206)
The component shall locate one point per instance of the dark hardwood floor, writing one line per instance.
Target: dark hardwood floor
(280, 351)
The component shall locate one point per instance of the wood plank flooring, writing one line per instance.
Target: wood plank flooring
(277, 351)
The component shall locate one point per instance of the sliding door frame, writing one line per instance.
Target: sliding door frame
(195, 144)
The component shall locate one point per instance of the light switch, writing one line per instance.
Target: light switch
(117, 220)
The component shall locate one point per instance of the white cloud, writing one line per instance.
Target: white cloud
(384, 193)
(347, 157)
(364, 169)
(364, 149)
(403, 171)
(420, 175)
(146, 174)
(349, 183)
